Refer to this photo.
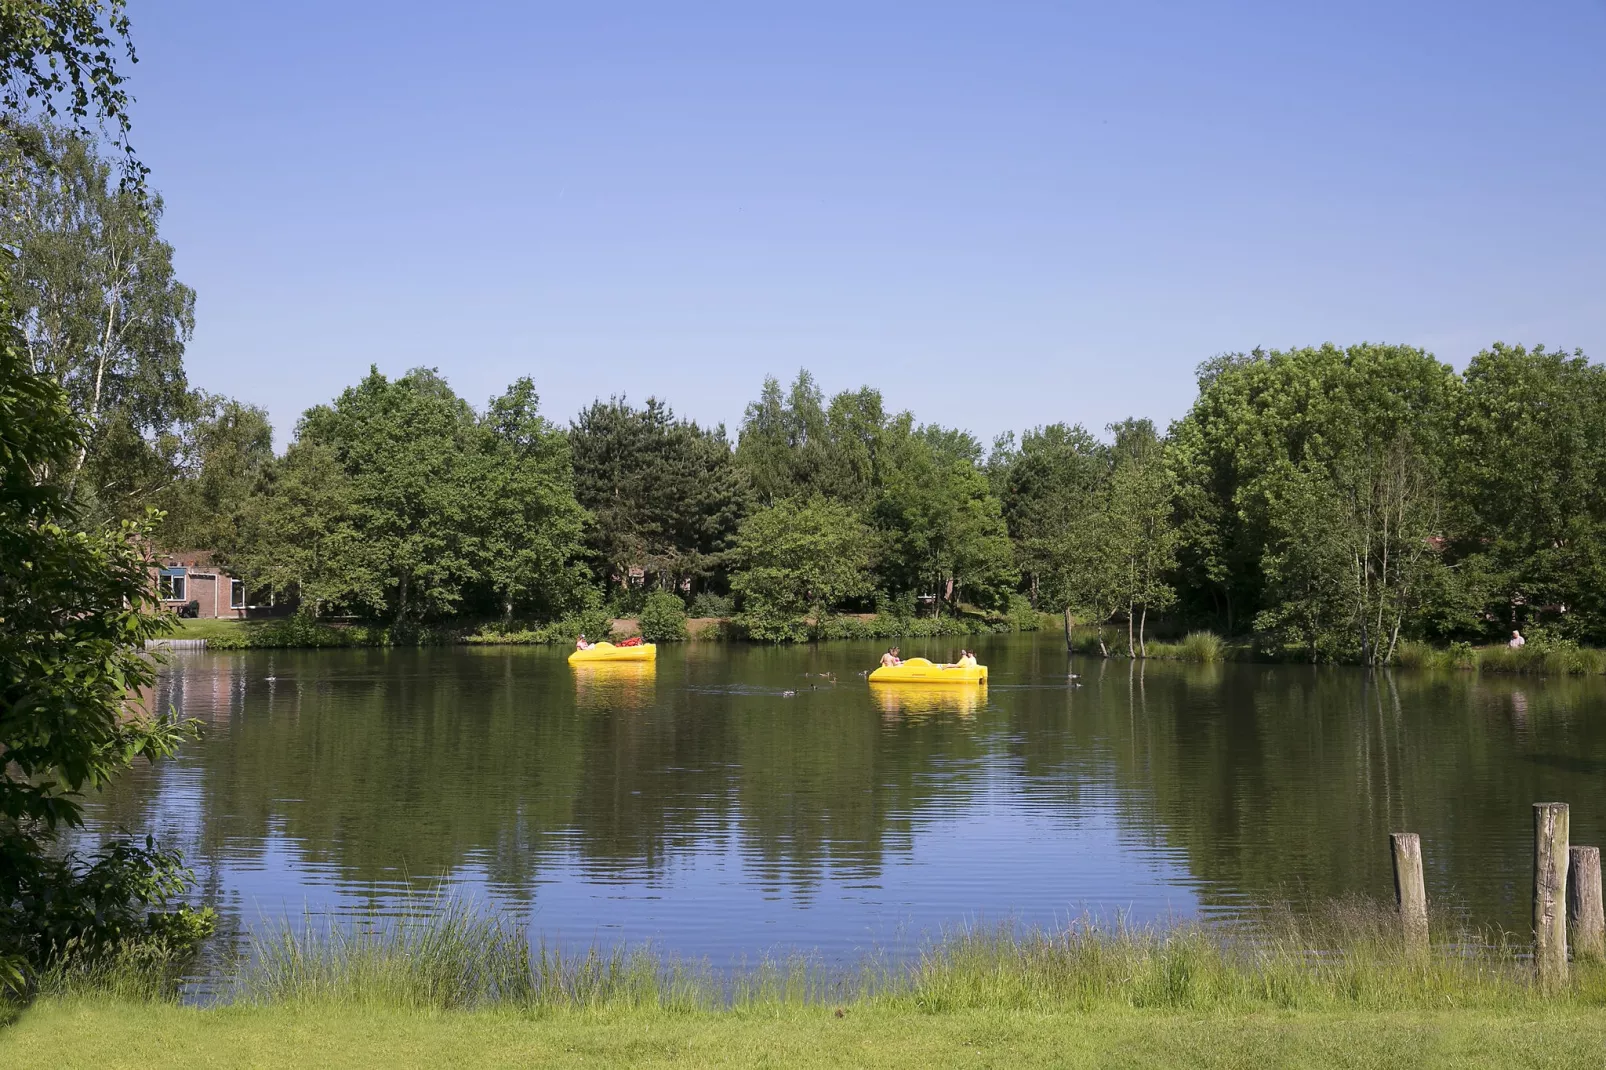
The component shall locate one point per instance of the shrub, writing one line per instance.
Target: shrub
(719, 628)
(708, 604)
(1022, 616)
(595, 624)
(89, 910)
(886, 626)
(663, 618)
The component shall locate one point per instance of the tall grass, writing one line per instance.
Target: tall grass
(135, 971)
(1541, 657)
(1345, 955)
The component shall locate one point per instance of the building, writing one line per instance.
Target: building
(189, 578)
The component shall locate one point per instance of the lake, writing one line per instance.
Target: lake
(703, 806)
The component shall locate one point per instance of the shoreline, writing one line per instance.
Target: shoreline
(1536, 659)
(457, 988)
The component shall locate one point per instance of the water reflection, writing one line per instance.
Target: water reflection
(924, 700)
(735, 798)
(614, 684)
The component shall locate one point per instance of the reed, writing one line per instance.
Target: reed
(1541, 657)
(1349, 957)
(1346, 955)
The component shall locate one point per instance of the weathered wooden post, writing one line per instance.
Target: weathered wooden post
(1550, 894)
(1068, 624)
(1584, 903)
(1410, 891)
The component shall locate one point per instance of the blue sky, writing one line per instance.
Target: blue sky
(1000, 214)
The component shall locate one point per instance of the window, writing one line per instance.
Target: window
(236, 594)
(174, 584)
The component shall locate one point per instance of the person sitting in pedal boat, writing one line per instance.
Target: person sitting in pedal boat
(582, 643)
(891, 658)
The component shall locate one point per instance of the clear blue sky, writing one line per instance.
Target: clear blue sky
(1000, 214)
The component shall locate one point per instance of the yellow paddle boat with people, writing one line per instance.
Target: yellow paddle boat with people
(896, 670)
(606, 651)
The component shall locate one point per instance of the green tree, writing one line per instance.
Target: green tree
(1116, 552)
(299, 536)
(225, 451)
(665, 495)
(941, 530)
(1530, 489)
(1045, 486)
(76, 605)
(398, 502)
(796, 561)
(1372, 422)
(1141, 502)
(407, 447)
(66, 51)
(530, 522)
(72, 596)
(783, 442)
(103, 315)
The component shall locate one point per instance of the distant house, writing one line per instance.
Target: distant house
(190, 578)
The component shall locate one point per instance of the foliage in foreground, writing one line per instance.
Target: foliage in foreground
(76, 605)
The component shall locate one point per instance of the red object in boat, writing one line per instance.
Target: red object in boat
(634, 640)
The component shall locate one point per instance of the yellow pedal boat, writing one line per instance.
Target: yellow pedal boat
(609, 652)
(921, 671)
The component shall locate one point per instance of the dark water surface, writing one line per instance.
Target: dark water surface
(697, 806)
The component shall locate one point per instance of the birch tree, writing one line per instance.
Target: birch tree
(100, 311)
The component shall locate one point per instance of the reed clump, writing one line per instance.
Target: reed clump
(1346, 955)
(1541, 656)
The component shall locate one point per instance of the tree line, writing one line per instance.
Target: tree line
(1326, 502)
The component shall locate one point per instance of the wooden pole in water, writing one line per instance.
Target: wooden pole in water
(1410, 891)
(1550, 894)
(1068, 625)
(1584, 903)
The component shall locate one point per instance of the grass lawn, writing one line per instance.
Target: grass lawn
(211, 629)
(104, 1034)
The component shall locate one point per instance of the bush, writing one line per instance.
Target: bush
(886, 626)
(1022, 616)
(663, 618)
(708, 604)
(594, 624)
(714, 630)
(65, 907)
(768, 624)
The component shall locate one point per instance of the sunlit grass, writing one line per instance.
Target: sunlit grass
(454, 957)
(456, 986)
(1540, 658)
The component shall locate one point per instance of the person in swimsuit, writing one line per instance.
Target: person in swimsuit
(891, 658)
(582, 643)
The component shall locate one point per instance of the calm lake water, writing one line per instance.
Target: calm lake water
(698, 806)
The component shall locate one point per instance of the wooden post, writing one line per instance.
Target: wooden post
(1068, 624)
(1584, 903)
(1550, 894)
(1410, 891)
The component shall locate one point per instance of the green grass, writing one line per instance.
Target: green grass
(106, 1035)
(453, 987)
(277, 633)
(1539, 657)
